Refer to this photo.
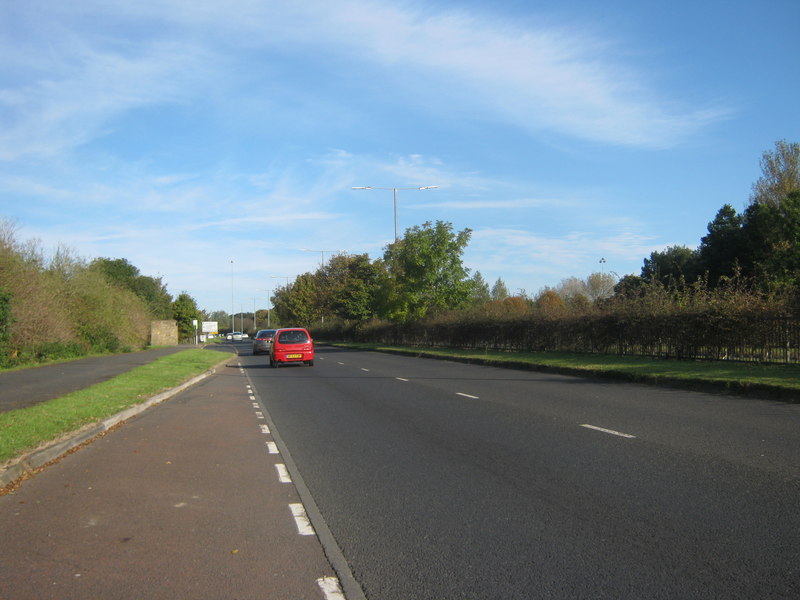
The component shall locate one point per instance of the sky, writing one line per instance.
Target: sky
(215, 144)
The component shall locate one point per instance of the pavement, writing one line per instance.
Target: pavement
(191, 499)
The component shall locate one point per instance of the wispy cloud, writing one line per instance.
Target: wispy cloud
(533, 76)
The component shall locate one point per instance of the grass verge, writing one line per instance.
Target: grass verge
(781, 381)
(27, 428)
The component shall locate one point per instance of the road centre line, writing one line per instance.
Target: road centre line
(467, 395)
(610, 431)
(363, 369)
(301, 519)
(400, 379)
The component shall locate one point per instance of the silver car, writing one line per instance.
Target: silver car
(262, 343)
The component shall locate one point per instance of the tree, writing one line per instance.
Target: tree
(349, 287)
(297, 305)
(780, 174)
(600, 286)
(721, 250)
(184, 311)
(673, 267)
(772, 239)
(150, 289)
(425, 273)
(499, 290)
(479, 290)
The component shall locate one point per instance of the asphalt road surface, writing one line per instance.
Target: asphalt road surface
(449, 481)
(26, 387)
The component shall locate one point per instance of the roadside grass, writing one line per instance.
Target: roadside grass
(27, 428)
(737, 377)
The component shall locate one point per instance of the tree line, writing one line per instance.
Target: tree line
(747, 262)
(64, 306)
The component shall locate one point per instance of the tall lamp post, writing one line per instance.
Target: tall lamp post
(269, 295)
(233, 322)
(394, 192)
(322, 252)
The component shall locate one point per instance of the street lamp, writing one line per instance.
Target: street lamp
(322, 252)
(233, 322)
(394, 192)
(269, 295)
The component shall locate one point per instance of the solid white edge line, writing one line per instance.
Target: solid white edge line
(283, 473)
(467, 395)
(330, 588)
(611, 431)
(301, 519)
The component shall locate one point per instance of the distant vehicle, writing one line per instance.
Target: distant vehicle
(263, 341)
(291, 345)
(235, 336)
(229, 336)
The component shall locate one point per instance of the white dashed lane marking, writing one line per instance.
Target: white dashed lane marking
(467, 395)
(301, 519)
(283, 474)
(330, 588)
(272, 447)
(609, 431)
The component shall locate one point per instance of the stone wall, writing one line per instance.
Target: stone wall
(163, 333)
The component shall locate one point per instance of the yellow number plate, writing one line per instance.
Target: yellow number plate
(294, 356)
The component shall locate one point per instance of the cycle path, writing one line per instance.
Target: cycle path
(186, 500)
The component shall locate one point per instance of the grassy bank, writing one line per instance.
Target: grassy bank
(26, 428)
(775, 380)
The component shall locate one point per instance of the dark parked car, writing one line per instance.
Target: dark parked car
(292, 345)
(263, 341)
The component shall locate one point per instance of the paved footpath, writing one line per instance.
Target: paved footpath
(185, 501)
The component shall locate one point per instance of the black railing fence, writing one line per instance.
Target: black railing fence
(698, 336)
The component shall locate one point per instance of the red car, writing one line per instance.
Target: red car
(291, 345)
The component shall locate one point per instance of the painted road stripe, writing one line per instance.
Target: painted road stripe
(264, 428)
(400, 379)
(301, 520)
(283, 474)
(363, 369)
(330, 588)
(255, 404)
(611, 431)
(467, 395)
(259, 415)
(272, 447)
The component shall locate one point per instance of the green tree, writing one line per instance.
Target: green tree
(297, 305)
(499, 290)
(184, 311)
(150, 289)
(772, 239)
(780, 174)
(425, 273)
(721, 250)
(673, 267)
(349, 287)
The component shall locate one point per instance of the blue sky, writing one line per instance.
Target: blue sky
(185, 135)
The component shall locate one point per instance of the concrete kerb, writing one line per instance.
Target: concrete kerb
(30, 462)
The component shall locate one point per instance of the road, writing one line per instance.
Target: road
(449, 481)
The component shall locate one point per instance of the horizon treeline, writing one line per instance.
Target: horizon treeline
(745, 261)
